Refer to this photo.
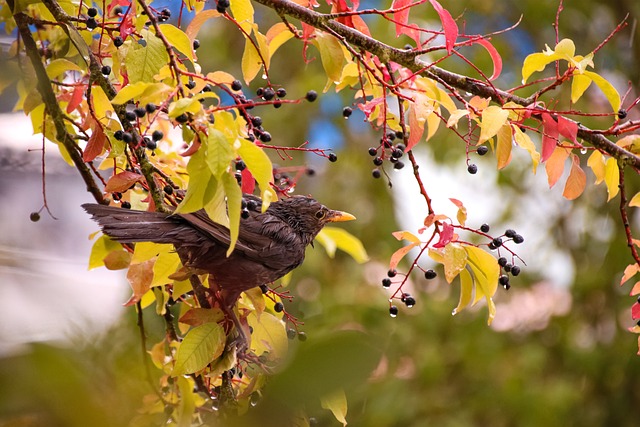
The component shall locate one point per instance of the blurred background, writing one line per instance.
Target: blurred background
(557, 354)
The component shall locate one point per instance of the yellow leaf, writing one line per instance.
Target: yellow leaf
(202, 345)
(523, 140)
(277, 36)
(466, 290)
(491, 306)
(611, 177)
(406, 235)
(178, 39)
(596, 163)
(493, 117)
(397, 256)
(100, 249)
(579, 84)
(635, 200)
(255, 56)
(130, 91)
(269, 335)
(576, 181)
(504, 146)
(331, 55)
(199, 19)
(103, 109)
(60, 66)
(144, 251)
(565, 48)
(462, 211)
(242, 11)
(455, 117)
(166, 264)
(486, 271)
(261, 168)
(343, 240)
(233, 194)
(536, 62)
(336, 402)
(455, 259)
(607, 88)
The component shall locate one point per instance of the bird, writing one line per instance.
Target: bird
(270, 244)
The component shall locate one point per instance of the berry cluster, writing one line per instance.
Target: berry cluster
(388, 151)
(506, 267)
(406, 298)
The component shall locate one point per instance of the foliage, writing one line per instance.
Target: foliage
(119, 90)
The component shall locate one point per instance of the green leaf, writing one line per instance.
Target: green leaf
(185, 105)
(607, 88)
(332, 238)
(145, 58)
(178, 39)
(202, 184)
(219, 152)
(187, 402)
(200, 346)
(261, 168)
(234, 206)
(336, 402)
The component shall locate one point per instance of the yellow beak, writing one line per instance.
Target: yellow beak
(338, 216)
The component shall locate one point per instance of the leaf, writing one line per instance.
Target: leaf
(504, 146)
(406, 235)
(219, 152)
(100, 249)
(255, 56)
(555, 165)
(577, 180)
(565, 49)
(462, 211)
(401, 20)
(446, 235)
(166, 264)
(455, 259)
(277, 36)
(261, 168)
(493, 118)
(122, 181)
(60, 66)
(139, 277)
(495, 56)
(336, 402)
(117, 260)
(455, 116)
(549, 136)
(197, 316)
(242, 11)
(416, 126)
(579, 84)
(145, 61)
(95, 145)
(635, 200)
(343, 240)
(331, 55)
(202, 184)
(129, 92)
(466, 290)
(635, 311)
(635, 290)
(234, 205)
(630, 271)
(611, 177)
(568, 128)
(269, 335)
(486, 271)
(596, 163)
(524, 141)
(397, 256)
(198, 20)
(179, 39)
(607, 88)
(448, 24)
(200, 346)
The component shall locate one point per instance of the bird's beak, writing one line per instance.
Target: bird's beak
(338, 216)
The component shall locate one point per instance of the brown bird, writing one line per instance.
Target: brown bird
(269, 245)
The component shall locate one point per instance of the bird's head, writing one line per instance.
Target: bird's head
(306, 215)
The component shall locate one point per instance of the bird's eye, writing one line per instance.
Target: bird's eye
(321, 214)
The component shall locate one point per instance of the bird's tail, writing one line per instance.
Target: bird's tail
(130, 226)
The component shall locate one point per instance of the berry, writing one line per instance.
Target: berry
(117, 11)
(401, 147)
(105, 70)
(472, 169)
(92, 12)
(265, 137)
(236, 85)
(157, 135)
(502, 261)
(510, 233)
(117, 41)
(392, 273)
(482, 150)
(376, 173)
(373, 151)
(166, 13)
(118, 135)
(397, 153)
(264, 289)
(127, 137)
(150, 108)
(256, 121)
(278, 307)
(196, 44)
(240, 165)
(400, 134)
(492, 246)
(140, 112)
(291, 333)
(302, 336)
(116, 196)
(222, 4)
(207, 88)
(238, 177)
(244, 214)
(409, 301)
(430, 274)
(515, 270)
(182, 118)
(168, 190)
(622, 114)
(190, 84)
(391, 136)
(311, 172)
(504, 280)
(126, 205)
(347, 112)
(130, 116)
(277, 104)
(386, 282)
(281, 93)
(484, 228)
(517, 239)
(268, 94)
(333, 157)
(151, 145)
(91, 23)
(508, 266)
(311, 96)
(377, 161)
(497, 242)
(34, 216)
(398, 165)
(259, 91)
(393, 311)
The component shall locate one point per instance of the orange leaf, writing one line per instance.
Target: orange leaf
(406, 235)
(555, 164)
(140, 277)
(121, 182)
(417, 129)
(399, 254)
(503, 149)
(576, 181)
(95, 145)
(635, 290)
(629, 272)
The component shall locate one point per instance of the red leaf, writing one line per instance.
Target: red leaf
(417, 129)
(121, 182)
(95, 145)
(401, 19)
(568, 128)
(127, 26)
(495, 57)
(248, 182)
(76, 97)
(448, 24)
(446, 234)
(549, 136)
(635, 311)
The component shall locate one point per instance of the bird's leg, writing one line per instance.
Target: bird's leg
(227, 300)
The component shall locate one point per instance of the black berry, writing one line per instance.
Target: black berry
(376, 173)
(373, 151)
(277, 104)
(507, 267)
(482, 150)
(118, 135)
(244, 213)
(484, 228)
(502, 261)
(518, 239)
(400, 134)
(92, 12)
(127, 137)
(397, 153)
(264, 289)
(393, 311)
(265, 137)
(398, 165)
(151, 145)
(302, 336)
(150, 108)
(190, 84)
(34, 216)
(268, 94)
(622, 114)
(291, 333)
(240, 165)
(409, 301)
(377, 161)
(130, 116)
(386, 282)
(430, 274)
(168, 190)
(392, 273)
(497, 242)
(105, 70)
(207, 88)
(510, 233)
(126, 205)
(236, 85)
(515, 270)
(117, 41)
(281, 93)
(347, 112)
(140, 112)
(472, 169)
(91, 23)
(182, 118)
(311, 96)
(503, 280)
(196, 44)
(278, 307)
(157, 135)
(333, 157)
